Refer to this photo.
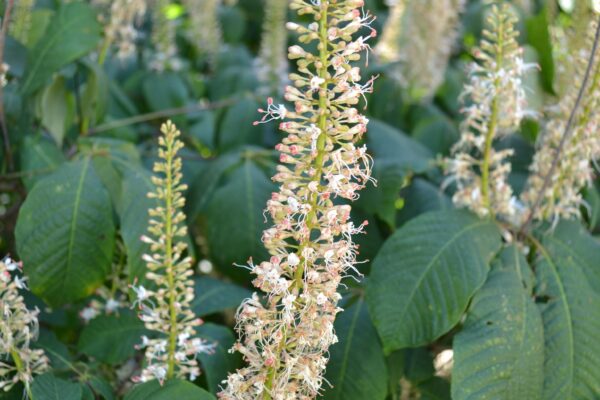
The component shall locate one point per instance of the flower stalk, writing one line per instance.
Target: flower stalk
(285, 339)
(166, 309)
(497, 106)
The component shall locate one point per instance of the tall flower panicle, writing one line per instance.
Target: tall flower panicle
(163, 38)
(574, 170)
(204, 30)
(285, 337)
(19, 327)
(120, 22)
(497, 104)
(272, 63)
(21, 20)
(419, 37)
(166, 309)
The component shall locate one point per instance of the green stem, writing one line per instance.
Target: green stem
(19, 365)
(169, 260)
(312, 218)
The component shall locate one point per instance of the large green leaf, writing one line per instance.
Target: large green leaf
(170, 390)
(235, 218)
(214, 295)
(499, 354)
(216, 366)
(425, 274)
(49, 387)
(65, 234)
(112, 338)
(72, 32)
(567, 288)
(356, 368)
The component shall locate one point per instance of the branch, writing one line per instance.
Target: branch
(161, 114)
(566, 134)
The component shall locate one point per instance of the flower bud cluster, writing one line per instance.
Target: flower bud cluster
(164, 31)
(574, 170)
(497, 104)
(204, 30)
(119, 25)
(285, 337)
(418, 38)
(19, 327)
(165, 309)
(272, 63)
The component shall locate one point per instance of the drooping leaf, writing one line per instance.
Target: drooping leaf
(112, 338)
(381, 200)
(65, 234)
(567, 289)
(235, 218)
(134, 218)
(420, 197)
(356, 368)
(499, 354)
(72, 32)
(57, 351)
(56, 109)
(214, 295)
(203, 188)
(237, 127)
(171, 389)
(216, 365)
(390, 145)
(49, 387)
(425, 275)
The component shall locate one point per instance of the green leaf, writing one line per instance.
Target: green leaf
(214, 295)
(422, 196)
(217, 365)
(567, 289)
(56, 110)
(499, 354)
(434, 389)
(206, 184)
(134, 218)
(170, 390)
(356, 368)
(392, 146)
(49, 387)
(381, 199)
(65, 234)
(425, 275)
(237, 127)
(538, 35)
(111, 338)
(73, 32)
(39, 157)
(235, 218)
(57, 351)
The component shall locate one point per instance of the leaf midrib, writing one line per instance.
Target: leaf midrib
(74, 218)
(564, 298)
(433, 261)
(63, 27)
(347, 347)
